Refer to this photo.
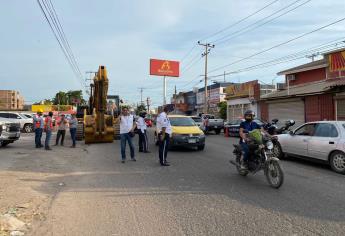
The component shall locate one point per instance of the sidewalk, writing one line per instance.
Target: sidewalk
(24, 168)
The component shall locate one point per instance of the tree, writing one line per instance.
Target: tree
(140, 108)
(222, 110)
(68, 98)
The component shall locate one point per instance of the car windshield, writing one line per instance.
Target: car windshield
(196, 119)
(24, 116)
(181, 121)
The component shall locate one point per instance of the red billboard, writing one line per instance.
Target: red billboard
(164, 68)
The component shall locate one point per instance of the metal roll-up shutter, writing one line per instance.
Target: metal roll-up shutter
(287, 110)
(341, 109)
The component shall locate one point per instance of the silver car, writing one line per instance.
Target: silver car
(322, 140)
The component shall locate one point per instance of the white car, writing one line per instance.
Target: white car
(26, 124)
(322, 140)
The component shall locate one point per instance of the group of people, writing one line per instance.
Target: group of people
(128, 126)
(45, 125)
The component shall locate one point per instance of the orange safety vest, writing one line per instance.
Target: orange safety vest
(37, 124)
(48, 119)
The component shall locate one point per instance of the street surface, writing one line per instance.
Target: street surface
(87, 191)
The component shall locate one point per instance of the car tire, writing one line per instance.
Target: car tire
(28, 128)
(201, 147)
(337, 162)
(217, 131)
(4, 143)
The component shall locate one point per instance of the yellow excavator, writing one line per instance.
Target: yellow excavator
(98, 127)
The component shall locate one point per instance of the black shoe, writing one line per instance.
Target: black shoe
(55, 144)
(123, 161)
(141, 151)
(165, 164)
(38, 147)
(48, 149)
(133, 159)
(147, 152)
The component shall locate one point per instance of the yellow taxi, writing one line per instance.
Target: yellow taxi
(186, 133)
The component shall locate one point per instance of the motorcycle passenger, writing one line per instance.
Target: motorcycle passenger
(245, 127)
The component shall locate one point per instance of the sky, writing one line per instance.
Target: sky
(124, 34)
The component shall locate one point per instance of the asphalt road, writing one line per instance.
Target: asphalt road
(199, 194)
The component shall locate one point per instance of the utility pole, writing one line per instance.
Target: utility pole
(224, 76)
(148, 102)
(312, 56)
(205, 54)
(141, 95)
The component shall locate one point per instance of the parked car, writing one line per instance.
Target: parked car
(185, 133)
(197, 120)
(9, 132)
(214, 124)
(323, 140)
(234, 126)
(26, 124)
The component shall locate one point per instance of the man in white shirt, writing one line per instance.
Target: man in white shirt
(164, 132)
(142, 128)
(127, 126)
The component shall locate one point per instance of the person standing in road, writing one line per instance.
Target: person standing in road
(62, 124)
(142, 129)
(164, 132)
(127, 126)
(38, 126)
(73, 122)
(48, 128)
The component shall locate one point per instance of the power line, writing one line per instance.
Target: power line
(278, 45)
(243, 30)
(288, 58)
(56, 19)
(188, 53)
(239, 21)
(57, 35)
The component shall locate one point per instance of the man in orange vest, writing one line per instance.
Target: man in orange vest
(38, 126)
(48, 128)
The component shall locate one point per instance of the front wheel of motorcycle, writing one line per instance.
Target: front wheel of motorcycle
(274, 174)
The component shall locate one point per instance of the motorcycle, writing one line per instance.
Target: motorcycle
(272, 129)
(262, 157)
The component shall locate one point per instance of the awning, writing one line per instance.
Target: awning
(306, 89)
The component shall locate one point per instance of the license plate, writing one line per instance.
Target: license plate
(191, 140)
(216, 127)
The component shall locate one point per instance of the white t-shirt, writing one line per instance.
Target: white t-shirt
(163, 122)
(126, 124)
(141, 124)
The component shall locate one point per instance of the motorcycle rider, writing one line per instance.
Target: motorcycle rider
(245, 127)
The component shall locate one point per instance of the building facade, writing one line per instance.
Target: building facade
(315, 91)
(216, 94)
(11, 100)
(245, 96)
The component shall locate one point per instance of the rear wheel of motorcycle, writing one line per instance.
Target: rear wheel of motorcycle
(274, 174)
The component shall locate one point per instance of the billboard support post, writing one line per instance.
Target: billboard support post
(165, 90)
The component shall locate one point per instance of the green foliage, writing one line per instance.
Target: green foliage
(222, 110)
(140, 108)
(68, 98)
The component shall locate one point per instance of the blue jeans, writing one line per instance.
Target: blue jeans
(124, 139)
(73, 132)
(38, 137)
(48, 136)
(245, 150)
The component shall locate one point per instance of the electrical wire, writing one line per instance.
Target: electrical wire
(239, 21)
(243, 31)
(292, 57)
(278, 45)
(57, 34)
